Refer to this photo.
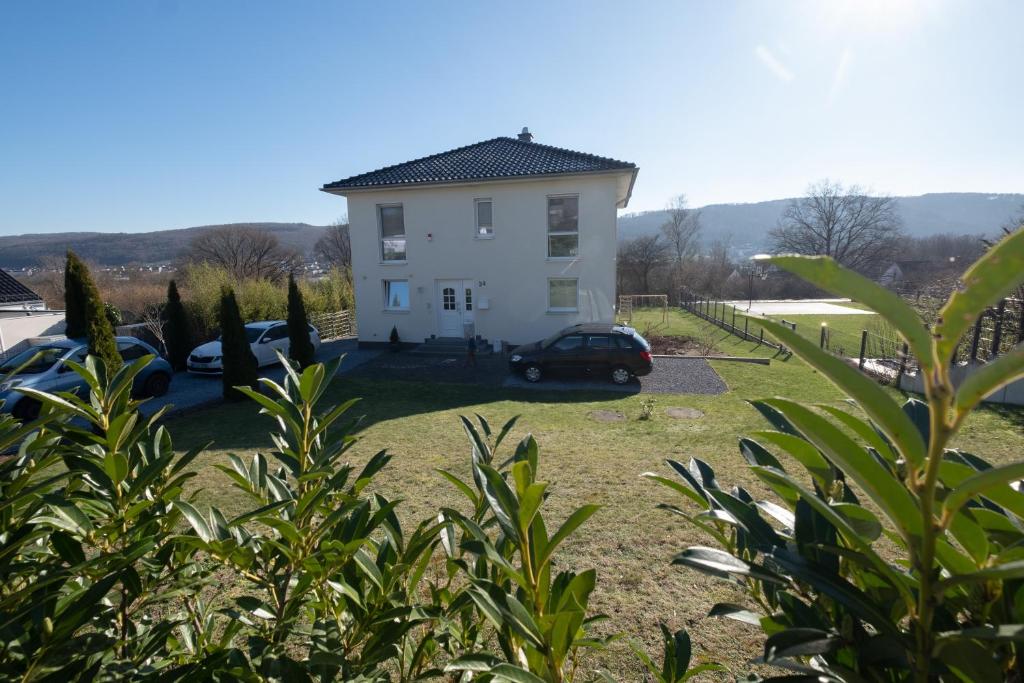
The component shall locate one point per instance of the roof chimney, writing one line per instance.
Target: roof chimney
(526, 135)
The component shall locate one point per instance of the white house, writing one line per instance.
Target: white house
(506, 239)
(24, 316)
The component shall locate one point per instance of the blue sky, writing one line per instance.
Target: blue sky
(128, 116)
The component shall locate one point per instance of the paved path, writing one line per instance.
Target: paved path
(189, 391)
(670, 376)
(799, 307)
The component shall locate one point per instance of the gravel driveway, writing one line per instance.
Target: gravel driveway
(670, 376)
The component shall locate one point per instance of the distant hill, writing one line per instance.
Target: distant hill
(929, 214)
(745, 225)
(119, 248)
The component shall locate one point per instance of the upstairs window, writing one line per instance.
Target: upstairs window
(484, 223)
(392, 232)
(563, 227)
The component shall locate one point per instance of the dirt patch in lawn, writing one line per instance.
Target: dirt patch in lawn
(663, 345)
(606, 416)
(684, 413)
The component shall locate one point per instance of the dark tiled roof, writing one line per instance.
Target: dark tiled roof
(13, 292)
(488, 160)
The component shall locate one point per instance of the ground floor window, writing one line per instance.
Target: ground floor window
(396, 295)
(563, 294)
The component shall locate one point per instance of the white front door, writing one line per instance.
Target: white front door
(455, 307)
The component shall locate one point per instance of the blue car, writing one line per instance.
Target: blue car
(51, 374)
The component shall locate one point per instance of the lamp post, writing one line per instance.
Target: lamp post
(753, 271)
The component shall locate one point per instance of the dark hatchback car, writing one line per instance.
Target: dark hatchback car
(589, 349)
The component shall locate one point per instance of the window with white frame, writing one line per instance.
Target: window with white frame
(563, 226)
(396, 295)
(392, 232)
(563, 294)
(484, 220)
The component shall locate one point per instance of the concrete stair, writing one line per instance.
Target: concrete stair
(450, 346)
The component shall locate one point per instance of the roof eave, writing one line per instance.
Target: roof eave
(345, 191)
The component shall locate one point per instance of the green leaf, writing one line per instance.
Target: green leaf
(194, 518)
(980, 483)
(681, 489)
(478, 662)
(829, 275)
(989, 377)
(989, 279)
(568, 526)
(999, 572)
(736, 613)
(1003, 632)
(885, 490)
(866, 392)
(799, 642)
(803, 452)
(722, 563)
(513, 674)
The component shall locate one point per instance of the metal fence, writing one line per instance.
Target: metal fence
(334, 325)
(724, 316)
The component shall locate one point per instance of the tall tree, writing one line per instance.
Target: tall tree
(238, 360)
(857, 230)
(334, 247)
(75, 275)
(98, 329)
(300, 347)
(640, 257)
(681, 229)
(244, 251)
(177, 329)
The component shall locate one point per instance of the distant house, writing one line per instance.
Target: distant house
(506, 239)
(901, 273)
(24, 316)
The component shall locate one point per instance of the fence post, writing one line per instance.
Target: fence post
(746, 326)
(734, 317)
(761, 340)
(863, 347)
(997, 336)
(976, 337)
(903, 365)
(824, 335)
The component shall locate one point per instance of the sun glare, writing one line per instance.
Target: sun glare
(866, 16)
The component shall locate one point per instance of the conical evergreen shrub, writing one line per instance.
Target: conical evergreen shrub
(177, 329)
(239, 362)
(74, 295)
(98, 330)
(300, 347)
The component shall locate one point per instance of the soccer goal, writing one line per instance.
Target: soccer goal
(631, 303)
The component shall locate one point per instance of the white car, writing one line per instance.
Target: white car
(265, 338)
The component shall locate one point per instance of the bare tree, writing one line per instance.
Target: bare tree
(152, 319)
(335, 247)
(681, 229)
(641, 257)
(857, 230)
(244, 251)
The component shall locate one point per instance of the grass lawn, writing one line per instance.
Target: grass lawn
(628, 541)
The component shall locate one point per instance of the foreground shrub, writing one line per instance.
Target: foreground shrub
(951, 605)
(107, 572)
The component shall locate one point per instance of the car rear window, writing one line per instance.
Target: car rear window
(624, 342)
(641, 341)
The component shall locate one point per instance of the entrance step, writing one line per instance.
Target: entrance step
(450, 346)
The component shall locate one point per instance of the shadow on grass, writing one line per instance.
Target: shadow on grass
(238, 426)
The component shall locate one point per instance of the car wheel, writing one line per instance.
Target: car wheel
(532, 373)
(157, 384)
(27, 409)
(620, 374)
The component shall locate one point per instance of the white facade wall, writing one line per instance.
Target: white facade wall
(16, 330)
(509, 273)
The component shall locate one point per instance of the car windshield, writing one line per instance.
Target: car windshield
(252, 334)
(48, 355)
